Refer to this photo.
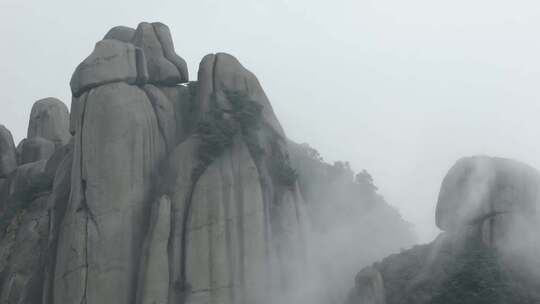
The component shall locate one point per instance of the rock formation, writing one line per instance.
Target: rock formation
(49, 119)
(154, 189)
(488, 210)
(8, 154)
(157, 189)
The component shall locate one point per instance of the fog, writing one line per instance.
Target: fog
(400, 88)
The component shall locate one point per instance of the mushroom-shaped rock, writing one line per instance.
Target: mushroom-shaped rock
(8, 154)
(34, 149)
(49, 119)
(164, 65)
(221, 76)
(121, 33)
(480, 187)
(111, 61)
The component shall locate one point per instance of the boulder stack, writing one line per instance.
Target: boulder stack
(155, 189)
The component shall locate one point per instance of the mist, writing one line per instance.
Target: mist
(400, 89)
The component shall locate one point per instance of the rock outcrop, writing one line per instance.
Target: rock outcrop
(35, 149)
(49, 119)
(8, 153)
(488, 209)
(29, 194)
(155, 189)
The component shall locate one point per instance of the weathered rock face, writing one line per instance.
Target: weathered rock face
(488, 253)
(117, 151)
(111, 61)
(160, 190)
(121, 33)
(35, 149)
(167, 192)
(479, 188)
(28, 196)
(8, 154)
(164, 66)
(49, 119)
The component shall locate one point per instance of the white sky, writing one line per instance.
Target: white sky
(401, 88)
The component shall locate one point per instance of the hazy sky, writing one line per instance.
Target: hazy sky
(400, 88)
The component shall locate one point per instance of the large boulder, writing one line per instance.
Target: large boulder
(57, 204)
(111, 61)
(116, 154)
(182, 97)
(165, 114)
(120, 33)
(34, 149)
(479, 187)
(218, 241)
(221, 75)
(164, 65)
(489, 251)
(8, 153)
(154, 276)
(28, 180)
(49, 119)
(56, 159)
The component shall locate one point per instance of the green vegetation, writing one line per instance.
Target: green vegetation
(215, 134)
(248, 114)
(217, 131)
(480, 277)
(282, 171)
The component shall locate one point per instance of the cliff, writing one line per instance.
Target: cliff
(158, 189)
(166, 190)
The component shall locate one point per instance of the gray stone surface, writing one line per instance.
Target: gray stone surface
(164, 66)
(154, 276)
(488, 207)
(8, 154)
(57, 204)
(23, 253)
(185, 114)
(226, 228)
(117, 151)
(478, 187)
(165, 114)
(126, 218)
(34, 149)
(29, 180)
(222, 73)
(164, 35)
(49, 119)
(120, 33)
(56, 159)
(111, 61)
